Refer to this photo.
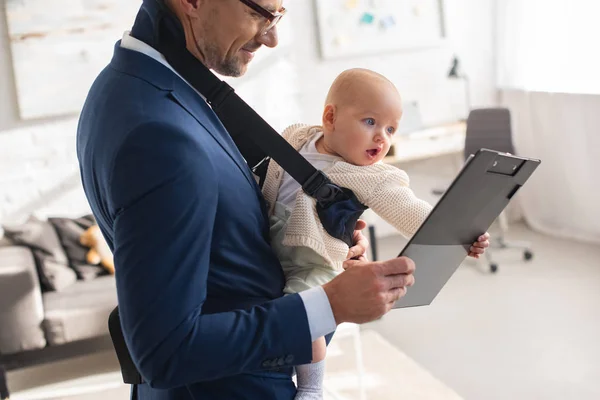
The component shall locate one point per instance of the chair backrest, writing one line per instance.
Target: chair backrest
(489, 128)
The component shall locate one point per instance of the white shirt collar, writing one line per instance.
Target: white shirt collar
(131, 43)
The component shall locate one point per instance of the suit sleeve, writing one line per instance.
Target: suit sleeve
(163, 190)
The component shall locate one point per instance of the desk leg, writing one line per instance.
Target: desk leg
(373, 241)
(3, 384)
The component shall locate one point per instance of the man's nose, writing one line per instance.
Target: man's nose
(269, 39)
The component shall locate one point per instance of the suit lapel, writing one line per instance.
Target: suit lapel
(201, 111)
(153, 72)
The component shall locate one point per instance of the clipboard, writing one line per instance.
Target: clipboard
(480, 192)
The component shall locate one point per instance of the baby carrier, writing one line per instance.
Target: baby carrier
(337, 207)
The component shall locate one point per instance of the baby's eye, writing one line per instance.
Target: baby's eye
(370, 121)
(391, 130)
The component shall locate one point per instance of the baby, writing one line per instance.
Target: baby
(361, 116)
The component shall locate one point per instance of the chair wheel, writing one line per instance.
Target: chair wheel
(527, 255)
(494, 268)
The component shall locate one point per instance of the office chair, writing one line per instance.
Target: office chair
(490, 128)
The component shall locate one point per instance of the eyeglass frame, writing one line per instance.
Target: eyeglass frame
(273, 18)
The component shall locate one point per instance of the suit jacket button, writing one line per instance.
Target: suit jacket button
(289, 359)
(266, 364)
(280, 362)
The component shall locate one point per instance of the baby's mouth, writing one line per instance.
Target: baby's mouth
(373, 152)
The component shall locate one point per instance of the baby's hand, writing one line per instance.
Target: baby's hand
(480, 245)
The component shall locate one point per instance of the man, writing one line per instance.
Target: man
(199, 288)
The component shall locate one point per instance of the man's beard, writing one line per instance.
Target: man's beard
(227, 67)
(232, 68)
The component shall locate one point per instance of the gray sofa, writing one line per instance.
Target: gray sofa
(37, 325)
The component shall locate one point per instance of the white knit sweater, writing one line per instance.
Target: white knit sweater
(381, 187)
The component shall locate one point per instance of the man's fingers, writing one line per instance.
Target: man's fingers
(350, 263)
(361, 244)
(355, 251)
(399, 281)
(396, 266)
(394, 295)
(360, 225)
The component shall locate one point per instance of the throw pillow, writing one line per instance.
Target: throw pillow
(51, 260)
(69, 232)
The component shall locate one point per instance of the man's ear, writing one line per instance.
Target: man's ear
(329, 117)
(189, 7)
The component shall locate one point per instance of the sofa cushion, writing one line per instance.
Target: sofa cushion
(69, 232)
(80, 311)
(50, 258)
(4, 242)
(21, 310)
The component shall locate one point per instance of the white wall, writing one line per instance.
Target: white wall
(419, 75)
(8, 101)
(37, 158)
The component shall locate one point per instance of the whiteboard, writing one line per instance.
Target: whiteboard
(359, 27)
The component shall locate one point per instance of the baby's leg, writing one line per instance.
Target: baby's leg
(319, 349)
(310, 376)
(304, 269)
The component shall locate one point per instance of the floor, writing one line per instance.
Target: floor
(370, 373)
(530, 331)
(381, 365)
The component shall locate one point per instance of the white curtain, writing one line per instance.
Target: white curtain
(549, 45)
(549, 76)
(563, 130)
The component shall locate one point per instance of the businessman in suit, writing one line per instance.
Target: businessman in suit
(199, 288)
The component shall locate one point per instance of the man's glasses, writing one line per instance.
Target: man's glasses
(272, 18)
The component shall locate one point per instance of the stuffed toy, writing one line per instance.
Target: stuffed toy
(99, 251)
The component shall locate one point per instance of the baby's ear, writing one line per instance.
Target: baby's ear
(329, 117)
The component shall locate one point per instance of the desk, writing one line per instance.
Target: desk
(428, 143)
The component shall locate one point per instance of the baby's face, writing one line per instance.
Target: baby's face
(363, 129)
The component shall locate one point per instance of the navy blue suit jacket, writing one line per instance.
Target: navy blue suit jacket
(199, 288)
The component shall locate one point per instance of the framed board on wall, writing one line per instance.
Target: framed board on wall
(58, 49)
(360, 27)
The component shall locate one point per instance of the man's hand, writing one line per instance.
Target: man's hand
(361, 244)
(478, 248)
(367, 290)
